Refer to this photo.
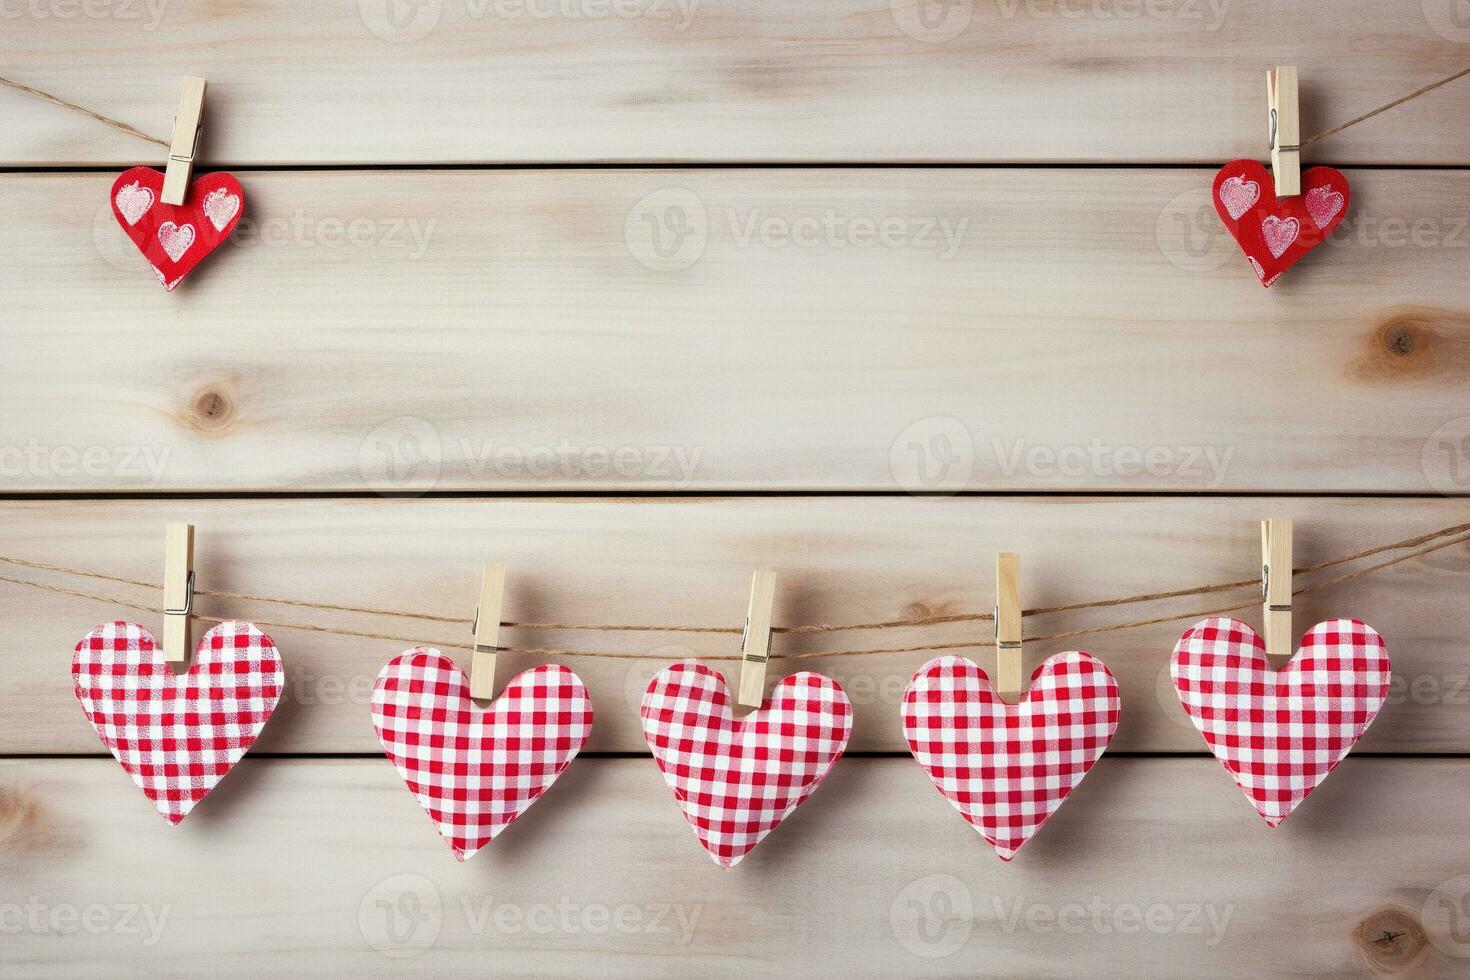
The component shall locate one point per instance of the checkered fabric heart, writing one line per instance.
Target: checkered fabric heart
(736, 780)
(475, 771)
(1279, 733)
(177, 734)
(1005, 767)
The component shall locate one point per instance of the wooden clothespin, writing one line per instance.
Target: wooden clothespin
(487, 632)
(187, 126)
(1276, 589)
(1008, 626)
(178, 591)
(755, 645)
(1286, 130)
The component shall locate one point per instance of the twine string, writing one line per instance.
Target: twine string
(116, 124)
(1384, 108)
(1411, 542)
(1413, 547)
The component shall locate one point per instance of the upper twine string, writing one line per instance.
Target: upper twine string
(1413, 547)
(123, 127)
(117, 124)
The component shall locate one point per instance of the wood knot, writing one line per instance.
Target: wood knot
(1398, 339)
(211, 410)
(1415, 344)
(916, 611)
(18, 816)
(1391, 939)
(920, 611)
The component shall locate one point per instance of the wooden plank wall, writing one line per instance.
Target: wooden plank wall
(635, 297)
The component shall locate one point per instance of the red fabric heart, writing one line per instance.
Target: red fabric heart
(1274, 232)
(177, 735)
(475, 771)
(1006, 767)
(737, 780)
(1279, 733)
(174, 238)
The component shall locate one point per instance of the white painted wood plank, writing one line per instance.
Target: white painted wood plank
(688, 562)
(368, 81)
(329, 868)
(831, 329)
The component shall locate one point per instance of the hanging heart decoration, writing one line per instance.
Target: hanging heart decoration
(1275, 232)
(1280, 732)
(737, 780)
(174, 238)
(177, 735)
(1008, 767)
(473, 770)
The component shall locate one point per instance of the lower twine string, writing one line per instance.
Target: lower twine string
(1413, 547)
(123, 127)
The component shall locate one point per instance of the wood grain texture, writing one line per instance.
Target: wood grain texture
(1070, 331)
(314, 866)
(689, 562)
(730, 80)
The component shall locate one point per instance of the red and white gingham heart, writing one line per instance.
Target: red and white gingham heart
(177, 735)
(475, 771)
(1005, 767)
(1279, 733)
(737, 780)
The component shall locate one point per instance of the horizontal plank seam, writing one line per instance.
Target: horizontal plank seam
(610, 755)
(713, 166)
(13, 496)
